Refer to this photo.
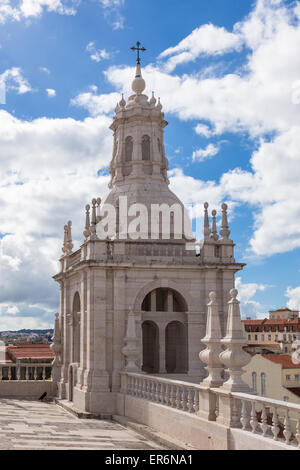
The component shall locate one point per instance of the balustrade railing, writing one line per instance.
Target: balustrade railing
(25, 371)
(271, 419)
(173, 393)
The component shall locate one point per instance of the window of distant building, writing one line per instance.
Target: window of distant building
(285, 398)
(276, 337)
(285, 329)
(255, 337)
(297, 377)
(290, 338)
(254, 382)
(284, 337)
(249, 337)
(288, 377)
(285, 349)
(262, 337)
(269, 337)
(263, 383)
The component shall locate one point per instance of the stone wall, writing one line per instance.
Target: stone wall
(27, 388)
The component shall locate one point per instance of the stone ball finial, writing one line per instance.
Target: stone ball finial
(212, 296)
(138, 85)
(87, 207)
(98, 201)
(206, 205)
(224, 206)
(94, 201)
(214, 213)
(234, 293)
(56, 315)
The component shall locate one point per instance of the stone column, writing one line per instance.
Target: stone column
(162, 347)
(131, 350)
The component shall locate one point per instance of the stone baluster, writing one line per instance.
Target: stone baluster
(287, 427)
(35, 376)
(18, 372)
(275, 427)
(157, 394)
(9, 372)
(244, 415)
(183, 399)
(196, 401)
(172, 396)
(27, 373)
(131, 350)
(94, 219)
(1, 373)
(177, 400)
(190, 400)
(253, 420)
(234, 357)
(212, 340)
(264, 423)
(44, 373)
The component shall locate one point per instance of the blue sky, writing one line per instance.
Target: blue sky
(228, 74)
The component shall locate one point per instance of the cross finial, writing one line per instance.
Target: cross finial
(138, 49)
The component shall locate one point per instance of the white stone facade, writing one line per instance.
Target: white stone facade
(161, 283)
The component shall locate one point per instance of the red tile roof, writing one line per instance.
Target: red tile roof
(284, 359)
(31, 351)
(267, 323)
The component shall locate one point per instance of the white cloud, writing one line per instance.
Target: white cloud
(97, 54)
(16, 11)
(210, 151)
(13, 79)
(50, 92)
(112, 12)
(249, 306)
(96, 104)
(207, 39)
(203, 130)
(293, 295)
(48, 173)
(45, 70)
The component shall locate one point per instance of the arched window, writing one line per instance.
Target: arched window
(254, 382)
(128, 148)
(263, 384)
(146, 147)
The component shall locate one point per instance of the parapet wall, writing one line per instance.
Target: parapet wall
(27, 388)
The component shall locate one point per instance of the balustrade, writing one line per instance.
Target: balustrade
(271, 419)
(25, 371)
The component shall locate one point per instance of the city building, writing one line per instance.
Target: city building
(274, 334)
(274, 376)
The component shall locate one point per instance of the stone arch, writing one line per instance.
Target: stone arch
(128, 148)
(164, 283)
(162, 297)
(176, 348)
(146, 148)
(150, 342)
(76, 309)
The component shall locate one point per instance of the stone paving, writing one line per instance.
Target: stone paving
(34, 425)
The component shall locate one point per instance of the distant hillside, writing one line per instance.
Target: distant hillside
(41, 332)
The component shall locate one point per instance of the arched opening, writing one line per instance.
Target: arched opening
(176, 348)
(146, 148)
(164, 300)
(76, 329)
(150, 347)
(128, 149)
